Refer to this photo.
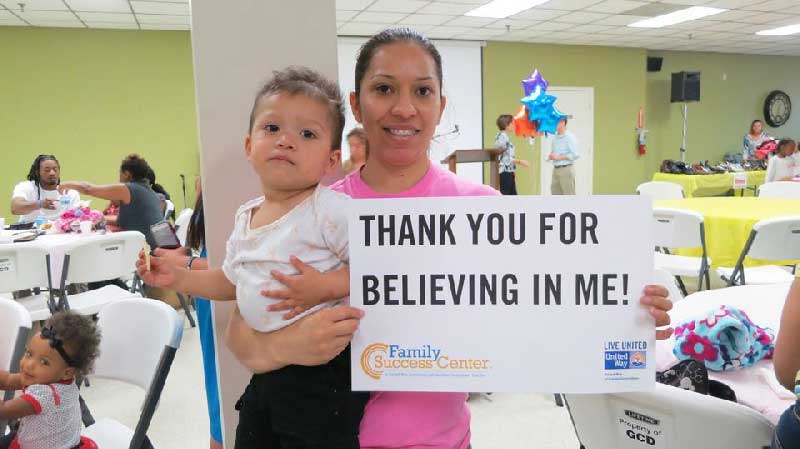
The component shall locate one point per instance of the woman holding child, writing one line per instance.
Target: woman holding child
(398, 100)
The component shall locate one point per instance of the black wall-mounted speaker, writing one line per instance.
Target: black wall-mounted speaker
(654, 63)
(685, 87)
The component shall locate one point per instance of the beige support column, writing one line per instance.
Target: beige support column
(236, 46)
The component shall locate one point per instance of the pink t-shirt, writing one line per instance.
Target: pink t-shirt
(416, 420)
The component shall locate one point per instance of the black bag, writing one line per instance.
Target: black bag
(692, 375)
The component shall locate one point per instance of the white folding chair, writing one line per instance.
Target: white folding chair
(661, 190)
(668, 417)
(780, 189)
(673, 229)
(169, 209)
(99, 258)
(15, 326)
(140, 339)
(182, 225)
(26, 267)
(776, 239)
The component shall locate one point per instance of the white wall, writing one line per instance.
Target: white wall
(461, 70)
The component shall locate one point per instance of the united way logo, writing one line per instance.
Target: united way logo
(638, 360)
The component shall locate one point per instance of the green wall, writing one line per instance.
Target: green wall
(732, 93)
(93, 96)
(621, 84)
(619, 81)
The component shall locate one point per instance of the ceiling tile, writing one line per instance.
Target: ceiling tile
(427, 19)
(687, 2)
(619, 20)
(106, 17)
(52, 16)
(160, 8)
(540, 14)
(467, 21)
(480, 33)
(99, 5)
(12, 22)
(163, 19)
(113, 25)
(770, 6)
(515, 24)
(57, 24)
(446, 8)
(764, 17)
(353, 5)
(569, 5)
(35, 5)
(361, 29)
(734, 27)
(546, 26)
(581, 17)
(591, 28)
(615, 6)
(732, 4)
(379, 17)
(165, 27)
(734, 15)
(343, 15)
(406, 6)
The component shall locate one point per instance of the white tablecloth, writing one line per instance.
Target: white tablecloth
(756, 386)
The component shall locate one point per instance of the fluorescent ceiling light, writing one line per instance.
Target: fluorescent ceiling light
(683, 15)
(782, 31)
(500, 9)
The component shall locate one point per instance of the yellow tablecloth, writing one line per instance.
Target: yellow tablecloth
(728, 222)
(711, 185)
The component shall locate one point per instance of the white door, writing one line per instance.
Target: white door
(578, 103)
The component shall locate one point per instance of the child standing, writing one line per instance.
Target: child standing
(49, 408)
(294, 140)
(508, 161)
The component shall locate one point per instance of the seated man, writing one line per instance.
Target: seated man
(38, 196)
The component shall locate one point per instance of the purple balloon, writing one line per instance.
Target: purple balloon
(533, 80)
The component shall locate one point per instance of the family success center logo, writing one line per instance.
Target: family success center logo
(381, 358)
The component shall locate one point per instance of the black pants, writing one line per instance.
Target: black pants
(5, 441)
(508, 184)
(301, 407)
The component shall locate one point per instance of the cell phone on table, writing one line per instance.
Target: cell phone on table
(164, 235)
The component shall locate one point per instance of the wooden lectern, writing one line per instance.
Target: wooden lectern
(486, 154)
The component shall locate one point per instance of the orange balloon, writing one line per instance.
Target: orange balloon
(522, 126)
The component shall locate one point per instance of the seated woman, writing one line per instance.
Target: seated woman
(139, 205)
(785, 164)
(753, 139)
(787, 365)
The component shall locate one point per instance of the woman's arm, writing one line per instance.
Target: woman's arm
(16, 408)
(111, 192)
(312, 340)
(10, 382)
(787, 346)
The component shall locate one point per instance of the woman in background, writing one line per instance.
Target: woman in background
(753, 139)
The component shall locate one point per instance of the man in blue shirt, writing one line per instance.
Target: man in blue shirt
(563, 155)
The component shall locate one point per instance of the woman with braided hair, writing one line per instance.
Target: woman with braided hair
(39, 194)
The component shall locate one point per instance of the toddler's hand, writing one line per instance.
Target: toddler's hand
(159, 273)
(302, 291)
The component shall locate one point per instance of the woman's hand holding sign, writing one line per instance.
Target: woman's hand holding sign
(655, 297)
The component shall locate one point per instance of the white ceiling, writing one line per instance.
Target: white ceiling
(574, 22)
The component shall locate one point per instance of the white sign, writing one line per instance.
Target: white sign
(739, 180)
(502, 294)
(6, 265)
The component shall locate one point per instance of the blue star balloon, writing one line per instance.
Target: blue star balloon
(542, 112)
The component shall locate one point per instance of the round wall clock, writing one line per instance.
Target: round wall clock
(777, 108)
